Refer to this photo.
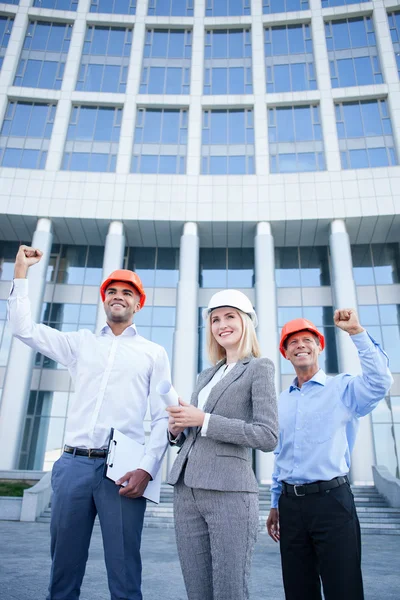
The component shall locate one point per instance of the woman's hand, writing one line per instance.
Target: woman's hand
(186, 415)
(173, 429)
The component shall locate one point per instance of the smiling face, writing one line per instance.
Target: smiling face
(303, 350)
(226, 327)
(121, 302)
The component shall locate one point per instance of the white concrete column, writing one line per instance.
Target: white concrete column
(327, 107)
(344, 290)
(388, 65)
(20, 363)
(267, 331)
(193, 160)
(186, 337)
(113, 259)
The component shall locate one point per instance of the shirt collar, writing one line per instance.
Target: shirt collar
(131, 330)
(319, 377)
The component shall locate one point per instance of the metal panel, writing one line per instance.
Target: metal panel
(288, 296)
(317, 296)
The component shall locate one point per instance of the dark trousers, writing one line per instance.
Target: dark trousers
(320, 541)
(80, 492)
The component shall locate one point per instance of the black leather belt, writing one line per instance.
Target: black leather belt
(90, 452)
(312, 488)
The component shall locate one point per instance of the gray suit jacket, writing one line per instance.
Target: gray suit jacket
(243, 415)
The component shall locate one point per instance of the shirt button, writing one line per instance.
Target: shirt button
(302, 394)
(298, 428)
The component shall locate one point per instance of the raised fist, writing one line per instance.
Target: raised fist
(26, 257)
(347, 319)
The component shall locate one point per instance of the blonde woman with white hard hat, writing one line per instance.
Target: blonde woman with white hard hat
(232, 410)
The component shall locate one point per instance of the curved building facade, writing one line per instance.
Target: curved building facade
(205, 144)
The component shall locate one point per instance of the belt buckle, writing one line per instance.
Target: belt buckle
(296, 492)
(90, 453)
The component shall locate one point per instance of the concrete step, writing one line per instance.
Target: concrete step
(376, 518)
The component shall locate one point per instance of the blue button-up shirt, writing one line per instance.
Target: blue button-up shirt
(318, 422)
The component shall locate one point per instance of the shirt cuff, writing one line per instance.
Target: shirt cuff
(205, 424)
(149, 464)
(274, 499)
(19, 287)
(171, 438)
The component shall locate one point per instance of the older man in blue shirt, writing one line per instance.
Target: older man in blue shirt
(312, 511)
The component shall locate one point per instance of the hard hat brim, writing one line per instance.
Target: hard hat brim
(207, 311)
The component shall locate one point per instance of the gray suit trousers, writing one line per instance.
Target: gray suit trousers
(216, 533)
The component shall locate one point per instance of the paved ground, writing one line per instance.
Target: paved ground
(25, 563)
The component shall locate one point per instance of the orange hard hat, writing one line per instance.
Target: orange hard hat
(294, 327)
(125, 276)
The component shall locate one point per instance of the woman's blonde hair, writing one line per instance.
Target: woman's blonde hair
(248, 344)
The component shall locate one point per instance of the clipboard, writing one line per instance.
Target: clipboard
(124, 454)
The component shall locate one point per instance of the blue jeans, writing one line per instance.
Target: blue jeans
(80, 492)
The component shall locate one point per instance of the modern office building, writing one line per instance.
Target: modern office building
(205, 144)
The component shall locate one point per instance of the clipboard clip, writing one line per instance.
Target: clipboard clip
(111, 454)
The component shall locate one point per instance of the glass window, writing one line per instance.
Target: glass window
(228, 142)
(105, 59)
(56, 4)
(383, 323)
(117, 7)
(287, 268)
(226, 268)
(157, 323)
(43, 56)
(394, 24)
(353, 55)
(44, 429)
(306, 266)
(160, 142)
(171, 8)
(8, 252)
(227, 8)
(322, 317)
(331, 3)
(277, 6)
(92, 139)
(6, 24)
(25, 134)
(289, 58)
(365, 134)
(156, 267)
(227, 61)
(295, 139)
(166, 61)
(386, 258)
(15, 2)
(77, 265)
(362, 264)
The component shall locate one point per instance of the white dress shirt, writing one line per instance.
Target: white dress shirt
(115, 379)
(205, 392)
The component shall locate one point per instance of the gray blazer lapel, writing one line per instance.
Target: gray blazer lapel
(202, 382)
(225, 382)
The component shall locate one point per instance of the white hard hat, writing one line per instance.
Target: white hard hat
(234, 299)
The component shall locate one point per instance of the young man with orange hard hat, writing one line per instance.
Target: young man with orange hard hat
(313, 513)
(116, 374)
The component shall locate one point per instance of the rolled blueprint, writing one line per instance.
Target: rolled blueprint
(168, 393)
